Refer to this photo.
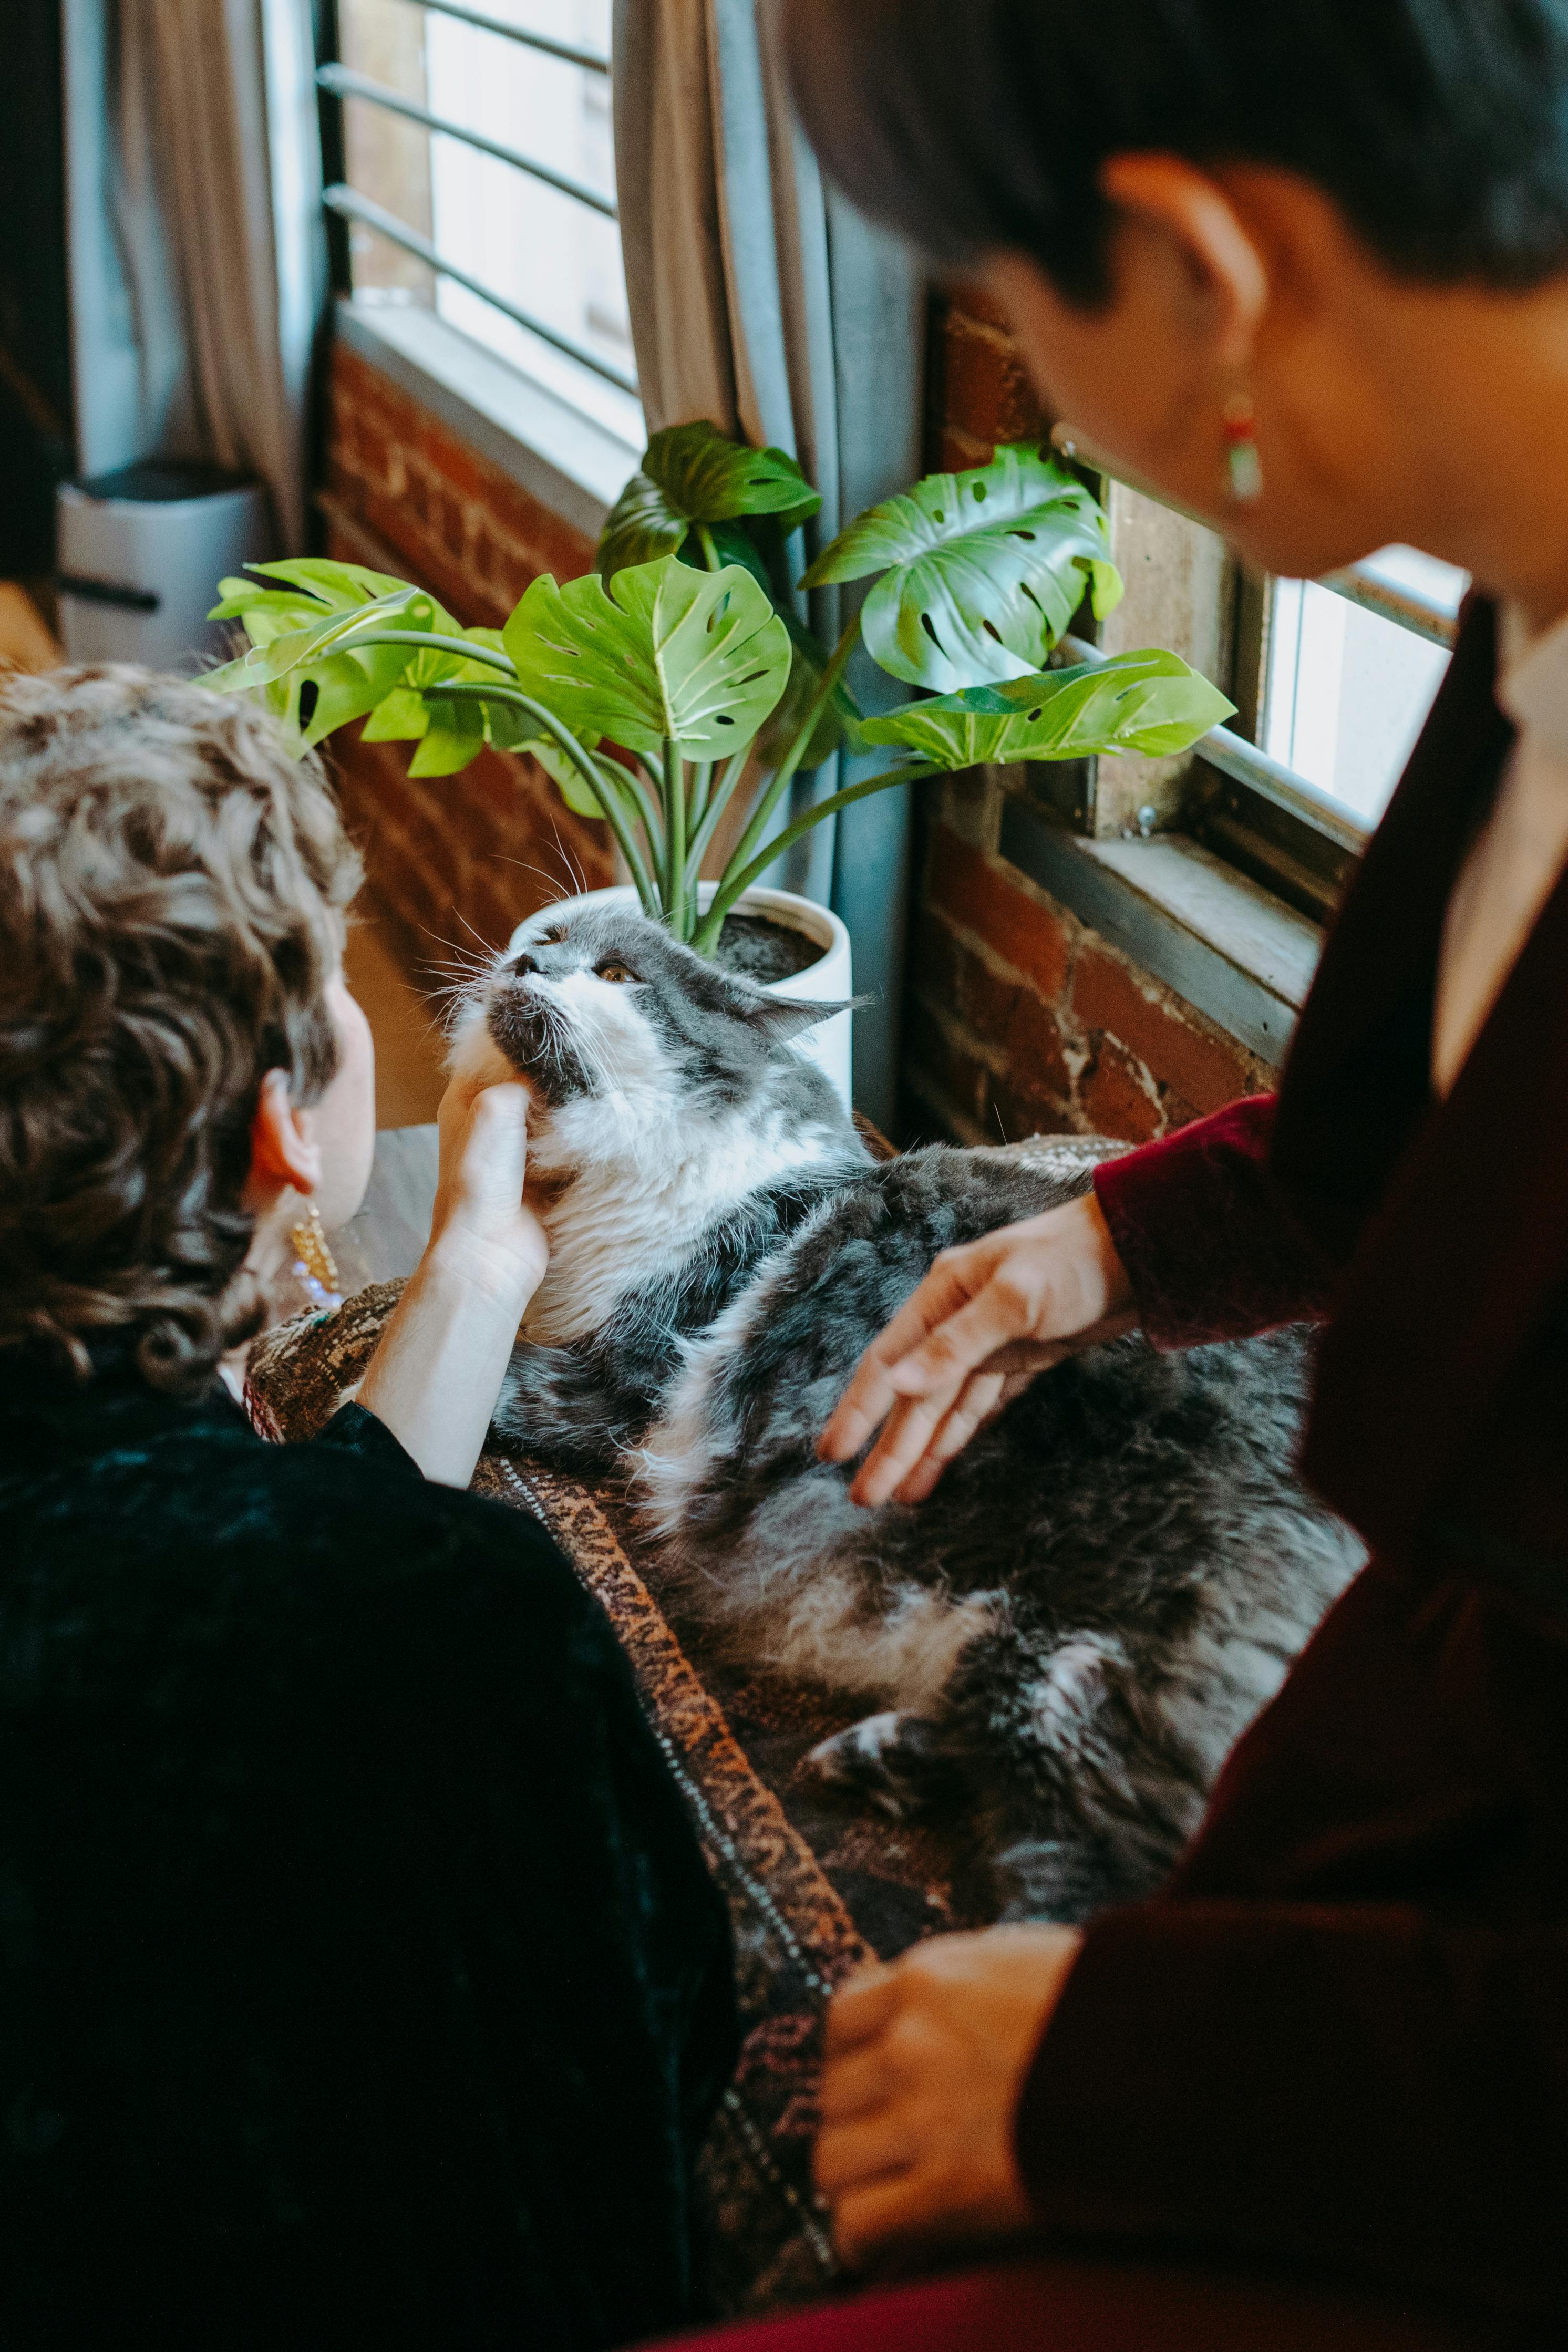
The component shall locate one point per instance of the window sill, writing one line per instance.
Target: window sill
(571, 464)
(1239, 956)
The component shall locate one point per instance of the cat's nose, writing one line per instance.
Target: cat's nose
(523, 966)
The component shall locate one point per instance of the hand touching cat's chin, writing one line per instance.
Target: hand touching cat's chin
(473, 1054)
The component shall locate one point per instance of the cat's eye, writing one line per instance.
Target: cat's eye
(612, 969)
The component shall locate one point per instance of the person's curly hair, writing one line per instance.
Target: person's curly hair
(172, 883)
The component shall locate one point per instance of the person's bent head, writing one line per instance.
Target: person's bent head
(1330, 210)
(172, 888)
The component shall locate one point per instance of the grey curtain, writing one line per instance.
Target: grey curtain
(213, 182)
(761, 302)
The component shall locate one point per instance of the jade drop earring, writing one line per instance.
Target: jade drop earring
(1244, 466)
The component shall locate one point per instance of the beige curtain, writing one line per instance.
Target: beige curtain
(761, 302)
(218, 180)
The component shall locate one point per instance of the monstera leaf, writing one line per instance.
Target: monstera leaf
(316, 584)
(348, 682)
(664, 653)
(1149, 702)
(303, 635)
(984, 571)
(449, 734)
(692, 474)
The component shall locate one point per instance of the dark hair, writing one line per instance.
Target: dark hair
(1438, 127)
(170, 887)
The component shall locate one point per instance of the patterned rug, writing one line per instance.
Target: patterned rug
(813, 1889)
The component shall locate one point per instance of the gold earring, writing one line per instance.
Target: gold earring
(315, 1269)
(1244, 466)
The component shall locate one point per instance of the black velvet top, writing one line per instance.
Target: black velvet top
(361, 1982)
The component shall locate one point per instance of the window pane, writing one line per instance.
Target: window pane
(551, 256)
(386, 158)
(1347, 691)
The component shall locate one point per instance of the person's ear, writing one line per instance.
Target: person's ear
(1221, 259)
(283, 1150)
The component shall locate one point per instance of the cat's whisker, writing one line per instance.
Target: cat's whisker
(575, 875)
(550, 881)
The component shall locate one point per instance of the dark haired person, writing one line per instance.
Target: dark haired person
(361, 1982)
(1304, 266)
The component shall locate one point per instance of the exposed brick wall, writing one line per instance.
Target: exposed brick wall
(1021, 1020)
(980, 389)
(456, 860)
(1025, 1022)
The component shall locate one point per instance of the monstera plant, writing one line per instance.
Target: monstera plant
(655, 687)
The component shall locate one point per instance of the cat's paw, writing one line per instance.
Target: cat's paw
(869, 1759)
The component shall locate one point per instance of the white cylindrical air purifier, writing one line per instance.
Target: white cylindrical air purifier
(140, 555)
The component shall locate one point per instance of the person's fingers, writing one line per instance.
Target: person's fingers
(501, 1109)
(452, 1110)
(903, 1441)
(861, 2009)
(868, 2148)
(1027, 1359)
(997, 1317)
(977, 1403)
(487, 1151)
(875, 2216)
(854, 2083)
(870, 1393)
(975, 1400)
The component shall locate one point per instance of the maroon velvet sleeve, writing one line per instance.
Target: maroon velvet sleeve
(1204, 1232)
(1362, 2090)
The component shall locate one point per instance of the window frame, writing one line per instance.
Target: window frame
(346, 205)
(1228, 794)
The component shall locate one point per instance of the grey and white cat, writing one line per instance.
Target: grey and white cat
(1061, 1645)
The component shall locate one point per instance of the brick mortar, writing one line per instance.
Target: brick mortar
(1107, 1068)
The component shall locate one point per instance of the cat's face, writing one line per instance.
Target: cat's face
(602, 1005)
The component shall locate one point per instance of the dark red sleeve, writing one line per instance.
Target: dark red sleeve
(1363, 2089)
(1206, 1234)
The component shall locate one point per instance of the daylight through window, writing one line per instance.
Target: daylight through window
(479, 180)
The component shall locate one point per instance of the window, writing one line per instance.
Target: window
(1332, 680)
(1348, 683)
(476, 176)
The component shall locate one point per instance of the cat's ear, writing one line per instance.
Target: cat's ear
(790, 1016)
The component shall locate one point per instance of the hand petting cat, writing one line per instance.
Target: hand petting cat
(435, 1379)
(924, 2063)
(988, 1319)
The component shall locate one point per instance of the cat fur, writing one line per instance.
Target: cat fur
(1058, 1648)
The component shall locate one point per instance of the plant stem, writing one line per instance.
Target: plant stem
(723, 794)
(428, 643)
(643, 800)
(643, 869)
(675, 838)
(762, 814)
(710, 552)
(737, 883)
(477, 691)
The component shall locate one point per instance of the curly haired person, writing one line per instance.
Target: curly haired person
(361, 1980)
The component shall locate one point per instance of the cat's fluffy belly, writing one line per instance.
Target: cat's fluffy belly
(1062, 1643)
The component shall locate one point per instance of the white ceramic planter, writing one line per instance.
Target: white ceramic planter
(831, 979)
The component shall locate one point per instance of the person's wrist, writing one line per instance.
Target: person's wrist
(499, 1265)
(1107, 1286)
